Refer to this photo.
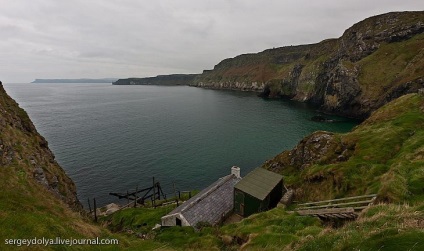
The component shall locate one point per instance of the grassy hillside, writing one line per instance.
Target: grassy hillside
(383, 226)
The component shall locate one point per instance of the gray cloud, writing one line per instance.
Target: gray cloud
(127, 38)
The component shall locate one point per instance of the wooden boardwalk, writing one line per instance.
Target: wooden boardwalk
(344, 208)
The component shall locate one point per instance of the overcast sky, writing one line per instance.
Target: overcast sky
(136, 38)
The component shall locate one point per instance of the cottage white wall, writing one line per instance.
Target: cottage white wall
(170, 220)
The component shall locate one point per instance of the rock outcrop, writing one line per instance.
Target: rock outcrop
(372, 63)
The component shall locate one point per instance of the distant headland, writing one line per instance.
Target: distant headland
(79, 80)
(172, 79)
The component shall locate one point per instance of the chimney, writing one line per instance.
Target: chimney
(236, 171)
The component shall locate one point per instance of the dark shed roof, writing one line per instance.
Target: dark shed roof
(259, 183)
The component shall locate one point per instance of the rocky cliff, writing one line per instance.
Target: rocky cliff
(25, 155)
(373, 62)
(173, 79)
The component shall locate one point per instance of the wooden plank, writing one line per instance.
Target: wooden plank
(341, 199)
(331, 216)
(327, 214)
(339, 204)
(349, 215)
(354, 215)
(341, 216)
(326, 211)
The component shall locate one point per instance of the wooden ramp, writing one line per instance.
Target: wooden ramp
(344, 208)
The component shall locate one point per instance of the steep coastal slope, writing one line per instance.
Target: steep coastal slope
(36, 195)
(25, 154)
(373, 62)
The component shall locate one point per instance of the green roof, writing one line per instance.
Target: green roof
(259, 183)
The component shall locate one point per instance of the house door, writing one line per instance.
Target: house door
(177, 222)
(239, 202)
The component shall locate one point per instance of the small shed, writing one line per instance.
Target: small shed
(211, 205)
(258, 191)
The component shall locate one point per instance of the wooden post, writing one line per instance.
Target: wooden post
(179, 195)
(175, 193)
(158, 185)
(89, 206)
(95, 210)
(189, 194)
(135, 200)
(154, 193)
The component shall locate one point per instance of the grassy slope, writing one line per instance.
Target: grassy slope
(383, 226)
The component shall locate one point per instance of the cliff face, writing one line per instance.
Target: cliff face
(373, 62)
(383, 155)
(25, 156)
(173, 79)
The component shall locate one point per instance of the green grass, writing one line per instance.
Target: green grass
(382, 227)
(141, 220)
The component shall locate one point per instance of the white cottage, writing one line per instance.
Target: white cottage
(210, 205)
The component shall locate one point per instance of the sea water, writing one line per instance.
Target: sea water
(114, 138)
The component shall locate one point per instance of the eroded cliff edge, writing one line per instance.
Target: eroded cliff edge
(373, 62)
